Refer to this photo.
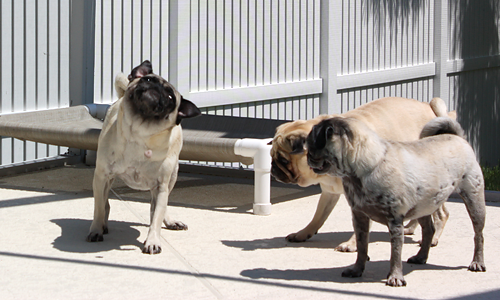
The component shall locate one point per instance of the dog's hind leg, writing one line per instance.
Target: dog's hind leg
(173, 224)
(349, 245)
(440, 217)
(362, 230)
(396, 229)
(472, 193)
(101, 186)
(427, 235)
(168, 221)
(327, 202)
(410, 227)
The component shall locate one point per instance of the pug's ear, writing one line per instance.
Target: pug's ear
(142, 70)
(187, 109)
(298, 145)
(340, 127)
(318, 135)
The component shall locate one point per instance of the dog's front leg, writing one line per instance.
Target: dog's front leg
(327, 202)
(159, 201)
(101, 186)
(396, 229)
(361, 224)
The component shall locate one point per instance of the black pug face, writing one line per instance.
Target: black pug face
(324, 144)
(317, 155)
(155, 99)
(152, 98)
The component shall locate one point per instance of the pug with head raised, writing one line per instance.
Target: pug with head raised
(140, 143)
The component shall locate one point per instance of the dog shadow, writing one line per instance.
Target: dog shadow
(122, 236)
(327, 240)
(375, 271)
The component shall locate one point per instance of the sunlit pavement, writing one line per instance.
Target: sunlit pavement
(227, 253)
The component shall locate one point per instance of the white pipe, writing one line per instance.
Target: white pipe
(260, 151)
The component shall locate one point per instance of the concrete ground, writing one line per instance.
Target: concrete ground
(227, 253)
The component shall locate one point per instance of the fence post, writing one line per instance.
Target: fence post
(179, 46)
(330, 57)
(441, 50)
(81, 52)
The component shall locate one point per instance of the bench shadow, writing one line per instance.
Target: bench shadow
(216, 193)
(122, 236)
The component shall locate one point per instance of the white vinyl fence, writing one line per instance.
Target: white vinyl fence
(278, 59)
(34, 64)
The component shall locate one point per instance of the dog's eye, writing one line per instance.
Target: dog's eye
(149, 79)
(283, 160)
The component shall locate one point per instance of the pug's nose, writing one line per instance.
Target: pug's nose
(312, 161)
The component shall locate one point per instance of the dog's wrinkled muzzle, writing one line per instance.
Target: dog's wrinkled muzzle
(281, 173)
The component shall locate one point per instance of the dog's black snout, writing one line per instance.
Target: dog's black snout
(313, 161)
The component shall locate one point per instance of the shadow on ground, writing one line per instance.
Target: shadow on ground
(375, 271)
(320, 241)
(122, 236)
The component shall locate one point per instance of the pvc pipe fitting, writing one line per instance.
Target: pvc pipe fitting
(98, 111)
(259, 150)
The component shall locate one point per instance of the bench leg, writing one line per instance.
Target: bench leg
(262, 192)
(259, 150)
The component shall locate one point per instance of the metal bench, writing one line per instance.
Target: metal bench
(206, 138)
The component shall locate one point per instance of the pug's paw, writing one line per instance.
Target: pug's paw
(299, 237)
(352, 272)
(175, 225)
(151, 247)
(348, 246)
(396, 280)
(477, 267)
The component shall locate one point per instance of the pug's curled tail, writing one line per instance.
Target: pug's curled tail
(439, 108)
(121, 83)
(442, 125)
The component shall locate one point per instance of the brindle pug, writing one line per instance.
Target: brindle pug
(140, 143)
(393, 118)
(390, 182)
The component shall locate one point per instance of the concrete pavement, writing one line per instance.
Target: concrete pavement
(227, 253)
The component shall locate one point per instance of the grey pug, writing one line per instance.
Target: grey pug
(390, 182)
(140, 143)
